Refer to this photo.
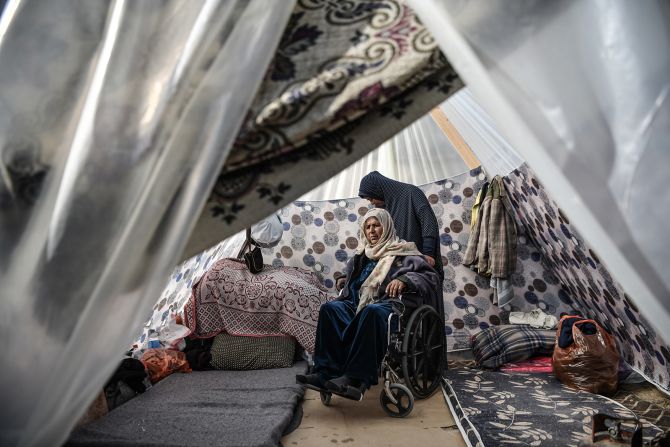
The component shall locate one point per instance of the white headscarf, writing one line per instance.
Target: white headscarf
(384, 252)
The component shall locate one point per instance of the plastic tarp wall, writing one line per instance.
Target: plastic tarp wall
(585, 281)
(421, 153)
(115, 119)
(580, 89)
(177, 291)
(479, 131)
(418, 154)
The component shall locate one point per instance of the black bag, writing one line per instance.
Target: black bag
(253, 258)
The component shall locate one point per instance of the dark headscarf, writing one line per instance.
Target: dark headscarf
(412, 215)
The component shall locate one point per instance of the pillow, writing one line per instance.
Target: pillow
(497, 345)
(231, 352)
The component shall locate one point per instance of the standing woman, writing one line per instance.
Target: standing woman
(411, 213)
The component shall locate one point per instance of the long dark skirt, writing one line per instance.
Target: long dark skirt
(350, 344)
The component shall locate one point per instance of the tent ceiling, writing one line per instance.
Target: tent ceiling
(422, 153)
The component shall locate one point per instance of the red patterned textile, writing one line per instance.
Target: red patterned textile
(277, 301)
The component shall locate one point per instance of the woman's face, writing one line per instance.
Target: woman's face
(376, 202)
(373, 230)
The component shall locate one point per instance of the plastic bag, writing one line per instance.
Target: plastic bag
(591, 362)
(172, 334)
(268, 232)
(160, 363)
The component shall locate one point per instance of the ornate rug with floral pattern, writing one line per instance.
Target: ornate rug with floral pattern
(494, 408)
(276, 301)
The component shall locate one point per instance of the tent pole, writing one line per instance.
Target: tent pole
(455, 138)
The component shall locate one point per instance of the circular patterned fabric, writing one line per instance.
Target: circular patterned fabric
(563, 274)
(584, 282)
(465, 293)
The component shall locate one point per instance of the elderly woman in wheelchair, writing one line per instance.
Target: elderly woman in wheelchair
(352, 336)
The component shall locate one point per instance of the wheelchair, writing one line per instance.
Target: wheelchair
(415, 359)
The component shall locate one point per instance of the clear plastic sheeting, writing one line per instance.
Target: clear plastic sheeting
(177, 291)
(581, 90)
(481, 134)
(115, 119)
(419, 154)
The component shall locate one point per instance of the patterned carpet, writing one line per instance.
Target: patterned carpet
(649, 404)
(495, 408)
(643, 399)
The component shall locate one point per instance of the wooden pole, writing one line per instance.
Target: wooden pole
(455, 138)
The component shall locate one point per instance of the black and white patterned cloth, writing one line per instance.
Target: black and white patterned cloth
(494, 409)
(234, 353)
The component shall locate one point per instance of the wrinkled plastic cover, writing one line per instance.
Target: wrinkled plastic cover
(115, 119)
(581, 90)
(420, 153)
(590, 363)
(481, 134)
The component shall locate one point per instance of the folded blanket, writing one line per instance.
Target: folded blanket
(513, 343)
(533, 365)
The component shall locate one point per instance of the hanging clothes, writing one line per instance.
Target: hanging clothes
(474, 219)
(491, 249)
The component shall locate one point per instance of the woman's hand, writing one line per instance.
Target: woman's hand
(430, 260)
(395, 288)
(339, 284)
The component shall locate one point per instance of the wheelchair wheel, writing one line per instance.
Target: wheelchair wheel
(423, 345)
(325, 398)
(404, 398)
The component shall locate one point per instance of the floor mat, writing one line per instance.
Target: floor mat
(241, 408)
(494, 408)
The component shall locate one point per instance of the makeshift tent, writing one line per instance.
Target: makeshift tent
(117, 122)
(556, 271)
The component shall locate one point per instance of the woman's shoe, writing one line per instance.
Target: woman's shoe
(353, 393)
(340, 384)
(311, 381)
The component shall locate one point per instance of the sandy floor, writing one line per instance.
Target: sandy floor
(364, 423)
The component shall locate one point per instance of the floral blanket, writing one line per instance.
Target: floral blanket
(277, 301)
(495, 408)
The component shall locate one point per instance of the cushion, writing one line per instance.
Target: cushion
(231, 352)
(497, 345)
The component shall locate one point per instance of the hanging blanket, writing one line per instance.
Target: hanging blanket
(277, 301)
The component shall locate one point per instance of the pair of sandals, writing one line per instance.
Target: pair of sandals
(614, 431)
(342, 386)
